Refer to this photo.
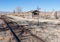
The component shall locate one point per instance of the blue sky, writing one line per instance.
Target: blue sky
(26, 5)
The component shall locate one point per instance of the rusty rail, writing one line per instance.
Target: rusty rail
(16, 37)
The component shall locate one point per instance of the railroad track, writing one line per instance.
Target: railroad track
(19, 30)
(7, 21)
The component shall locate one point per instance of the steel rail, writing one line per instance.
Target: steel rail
(16, 37)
